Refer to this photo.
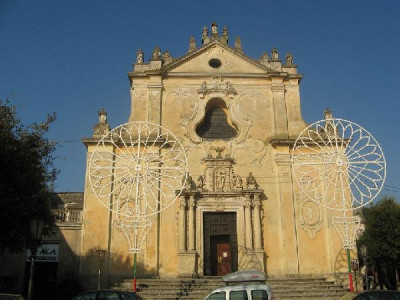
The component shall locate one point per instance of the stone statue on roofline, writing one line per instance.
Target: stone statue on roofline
(225, 37)
(156, 53)
(166, 57)
(192, 44)
(214, 30)
(238, 45)
(101, 128)
(328, 114)
(264, 59)
(204, 36)
(274, 54)
(139, 56)
(329, 124)
(289, 60)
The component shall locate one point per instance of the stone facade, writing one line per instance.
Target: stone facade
(237, 118)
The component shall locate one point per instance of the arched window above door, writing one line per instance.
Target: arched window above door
(216, 124)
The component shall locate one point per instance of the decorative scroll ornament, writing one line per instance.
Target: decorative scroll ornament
(216, 85)
(345, 160)
(136, 169)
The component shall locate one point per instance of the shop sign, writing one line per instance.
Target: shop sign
(45, 253)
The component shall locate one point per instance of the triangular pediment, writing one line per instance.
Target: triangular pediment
(224, 60)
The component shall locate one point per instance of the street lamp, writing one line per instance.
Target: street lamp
(363, 250)
(100, 258)
(36, 227)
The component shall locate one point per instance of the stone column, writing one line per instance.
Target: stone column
(182, 224)
(257, 222)
(191, 221)
(247, 220)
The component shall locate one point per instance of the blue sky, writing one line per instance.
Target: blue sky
(72, 58)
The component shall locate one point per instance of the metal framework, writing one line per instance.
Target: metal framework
(135, 231)
(339, 165)
(341, 161)
(136, 169)
(349, 228)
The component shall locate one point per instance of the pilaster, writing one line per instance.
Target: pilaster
(182, 224)
(154, 100)
(280, 113)
(187, 259)
(191, 223)
(247, 218)
(288, 215)
(257, 223)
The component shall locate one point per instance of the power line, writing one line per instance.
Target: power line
(47, 46)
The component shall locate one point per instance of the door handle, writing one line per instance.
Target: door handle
(219, 259)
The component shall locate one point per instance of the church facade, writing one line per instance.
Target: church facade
(237, 118)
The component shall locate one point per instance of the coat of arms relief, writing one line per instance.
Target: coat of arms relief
(219, 175)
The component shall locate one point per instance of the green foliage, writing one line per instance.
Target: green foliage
(382, 230)
(26, 175)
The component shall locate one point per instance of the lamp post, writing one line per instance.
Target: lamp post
(363, 250)
(100, 258)
(36, 227)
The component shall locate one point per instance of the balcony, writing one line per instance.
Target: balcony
(67, 216)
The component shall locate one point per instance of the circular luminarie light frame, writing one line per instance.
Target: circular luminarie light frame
(136, 170)
(338, 164)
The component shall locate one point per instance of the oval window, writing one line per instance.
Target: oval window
(214, 63)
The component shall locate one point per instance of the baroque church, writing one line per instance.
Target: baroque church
(237, 119)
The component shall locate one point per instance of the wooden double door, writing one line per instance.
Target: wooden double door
(220, 244)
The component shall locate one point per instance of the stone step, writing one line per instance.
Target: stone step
(287, 288)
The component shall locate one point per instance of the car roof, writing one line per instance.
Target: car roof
(245, 276)
(110, 290)
(242, 287)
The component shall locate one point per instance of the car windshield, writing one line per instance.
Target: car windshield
(217, 296)
(11, 297)
(108, 296)
(130, 296)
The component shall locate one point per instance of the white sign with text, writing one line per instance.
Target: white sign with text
(45, 253)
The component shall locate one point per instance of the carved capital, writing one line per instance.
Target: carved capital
(182, 203)
(192, 202)
(282, 159)
(277, 88)
(256, 203)
(247, 203)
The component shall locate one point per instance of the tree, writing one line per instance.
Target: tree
(382, 233)
(27, 175)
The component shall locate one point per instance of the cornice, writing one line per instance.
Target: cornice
(282, 142)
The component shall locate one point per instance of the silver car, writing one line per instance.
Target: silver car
(243, 285)
(242, 292)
